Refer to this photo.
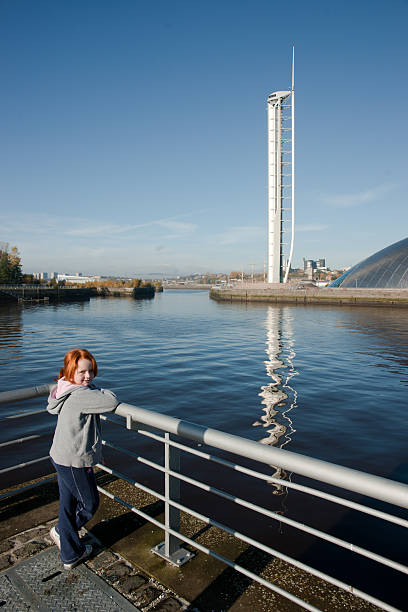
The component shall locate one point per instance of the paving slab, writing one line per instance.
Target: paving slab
(124, 562)
(39, 583)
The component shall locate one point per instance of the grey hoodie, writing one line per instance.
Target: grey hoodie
(77, 437)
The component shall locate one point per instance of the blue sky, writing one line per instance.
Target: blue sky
(134, 132)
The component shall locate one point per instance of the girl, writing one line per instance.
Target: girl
(76, 447)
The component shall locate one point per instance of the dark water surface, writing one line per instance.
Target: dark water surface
(342, 374)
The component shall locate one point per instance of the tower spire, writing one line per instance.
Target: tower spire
(281, 179)
(292, 237)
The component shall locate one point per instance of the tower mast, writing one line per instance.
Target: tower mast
(280, 181)
(292, 100)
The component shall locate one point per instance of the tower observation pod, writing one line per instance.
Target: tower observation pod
(281, 182)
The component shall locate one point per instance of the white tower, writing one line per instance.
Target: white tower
(281, 181)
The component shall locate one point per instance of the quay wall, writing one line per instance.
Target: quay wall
(38, 293)
(312, 295)
(135, 292)
(198, 286)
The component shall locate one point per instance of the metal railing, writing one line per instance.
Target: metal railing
(5, 287)
(164, 429)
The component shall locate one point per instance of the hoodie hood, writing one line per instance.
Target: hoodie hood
(59, 394)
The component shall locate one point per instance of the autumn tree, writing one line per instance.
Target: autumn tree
(16, 274)
(4, 267)
(10, 265)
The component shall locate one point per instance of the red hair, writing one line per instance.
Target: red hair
(71, 363)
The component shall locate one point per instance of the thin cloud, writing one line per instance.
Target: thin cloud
(49, 224)
(100, 230)
(346, 200)
(177, 227)
(311, 228)
(241, 234)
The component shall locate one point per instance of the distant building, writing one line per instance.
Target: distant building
(318, 264)
(309, 264)
(77, 278)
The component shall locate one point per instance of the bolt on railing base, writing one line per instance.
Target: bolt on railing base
(178, 558)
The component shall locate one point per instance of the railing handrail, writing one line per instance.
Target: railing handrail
(350, 479)
(5, 287)
(147, 422)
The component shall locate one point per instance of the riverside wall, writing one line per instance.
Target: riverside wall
(38, 293)
(292, 294)
(135, 292)
(196, 286)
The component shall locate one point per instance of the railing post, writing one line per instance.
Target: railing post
(171, 549)
(171, 491)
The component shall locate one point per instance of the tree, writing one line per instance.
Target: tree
(14, 258)
(4, 267)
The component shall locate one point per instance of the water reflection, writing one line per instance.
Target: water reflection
(11, 333)
(279, 398)
(386, 330)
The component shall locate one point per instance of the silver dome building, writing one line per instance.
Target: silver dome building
(386, 269)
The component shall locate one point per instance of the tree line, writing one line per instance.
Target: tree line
(10, 265)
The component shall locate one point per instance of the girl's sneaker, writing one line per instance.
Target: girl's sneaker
(55, 536)
(86, 554)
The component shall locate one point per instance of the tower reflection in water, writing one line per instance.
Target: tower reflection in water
(279, 398)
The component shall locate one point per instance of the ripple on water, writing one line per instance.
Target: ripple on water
(344, 370)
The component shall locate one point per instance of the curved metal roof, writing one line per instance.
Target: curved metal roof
(386, 269)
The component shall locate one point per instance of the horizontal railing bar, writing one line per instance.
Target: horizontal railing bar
(188, 540)
(19, 440)
(31, 486)
(317, 469)
(139, 485)
(292, 485)
(240, 536)
(207, 551)
(21, 465)
(23, 414)
(283, 519)
(23, 394)
(346, 478)
(269, 513)
(40, 287)
(147, 462)
(270, 479)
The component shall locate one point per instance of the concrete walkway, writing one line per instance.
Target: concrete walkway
(33, 577)
(123, 565)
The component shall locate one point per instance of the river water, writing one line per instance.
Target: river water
(329, 382)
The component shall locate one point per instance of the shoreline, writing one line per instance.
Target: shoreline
(32, 293)
(260, 292)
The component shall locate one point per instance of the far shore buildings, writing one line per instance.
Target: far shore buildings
(68, 278)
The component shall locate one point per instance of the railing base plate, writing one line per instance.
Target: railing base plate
(178, 558)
